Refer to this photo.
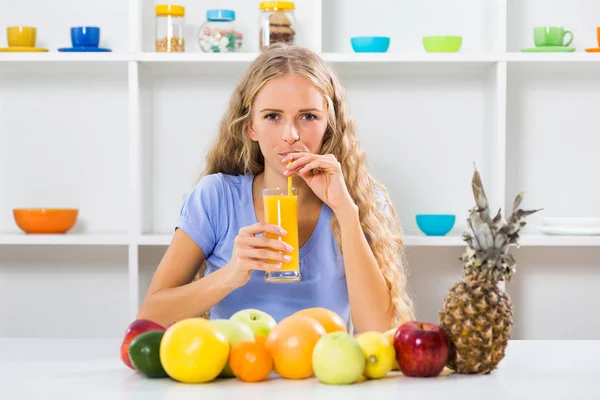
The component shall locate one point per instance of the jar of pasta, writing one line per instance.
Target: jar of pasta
(169, 28)
(277, 22)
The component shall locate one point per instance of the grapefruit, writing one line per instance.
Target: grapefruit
(193, 351)
(291, 344)
(330, 320)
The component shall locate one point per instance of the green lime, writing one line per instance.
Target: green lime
(144, 353)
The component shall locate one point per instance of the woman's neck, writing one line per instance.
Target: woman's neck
(272, 179)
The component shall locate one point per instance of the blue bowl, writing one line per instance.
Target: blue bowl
(370, 44)
(435, 224)
(85, 36)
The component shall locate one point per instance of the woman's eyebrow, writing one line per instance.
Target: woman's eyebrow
(303, 110)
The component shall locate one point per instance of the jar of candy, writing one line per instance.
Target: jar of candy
(276, 22)
(219, 33)
(169, 28)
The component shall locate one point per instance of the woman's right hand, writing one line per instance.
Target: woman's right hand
(250, 252)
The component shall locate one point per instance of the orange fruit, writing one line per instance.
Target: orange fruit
(291, 344)
(250, 361)
(260, 339)
(330, 320)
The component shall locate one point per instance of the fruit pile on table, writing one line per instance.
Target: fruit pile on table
(471, 337)
(251, 345)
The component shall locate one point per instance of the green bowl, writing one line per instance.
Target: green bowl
(442, 44)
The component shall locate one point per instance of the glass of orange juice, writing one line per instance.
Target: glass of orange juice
(281, 209)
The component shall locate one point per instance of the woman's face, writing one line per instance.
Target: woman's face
(289, 114)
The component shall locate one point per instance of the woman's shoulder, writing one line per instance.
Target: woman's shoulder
(208, 206)
(218, 189)
(233, 180)
(220, 182)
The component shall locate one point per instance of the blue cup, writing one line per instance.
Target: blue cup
(88, 36)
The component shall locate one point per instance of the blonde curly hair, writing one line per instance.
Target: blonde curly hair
(234, 153)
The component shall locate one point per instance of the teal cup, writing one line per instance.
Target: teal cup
(551, 36)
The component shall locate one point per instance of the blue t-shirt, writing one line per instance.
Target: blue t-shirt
(212, 215)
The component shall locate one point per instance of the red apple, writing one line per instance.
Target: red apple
(136, 328)
(421, 349)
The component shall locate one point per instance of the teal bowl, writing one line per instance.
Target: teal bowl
(370, 44)
(442, 44)
(435, 224)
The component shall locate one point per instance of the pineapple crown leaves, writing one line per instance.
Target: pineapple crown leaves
(489, 238)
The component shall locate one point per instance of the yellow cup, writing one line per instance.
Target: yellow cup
(21, 36)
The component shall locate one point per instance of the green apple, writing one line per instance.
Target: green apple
(235, 332)
(259, 321)
(338, 359)
(380, 355)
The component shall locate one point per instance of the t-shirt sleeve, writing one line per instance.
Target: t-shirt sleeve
(201, 212)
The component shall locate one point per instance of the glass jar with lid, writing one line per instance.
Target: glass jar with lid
(169, 28)
(277, 22)
(219, 33)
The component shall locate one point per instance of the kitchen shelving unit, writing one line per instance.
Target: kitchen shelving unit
(122, 135)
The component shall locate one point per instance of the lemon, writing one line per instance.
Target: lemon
(193, 351)
(380, 355)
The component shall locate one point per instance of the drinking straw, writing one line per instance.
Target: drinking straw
(289, 183)
(279, 216)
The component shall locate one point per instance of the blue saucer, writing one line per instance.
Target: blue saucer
(86, 49)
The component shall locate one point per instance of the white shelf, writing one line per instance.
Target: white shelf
(575, 57)
(65, 57)
(194, 57)
(335, 58)
(66, 239)
(165, 240)
(154, 240)
(412, 241)
(559, 241)
(434, 241)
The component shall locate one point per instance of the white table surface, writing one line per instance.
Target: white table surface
(91, 369)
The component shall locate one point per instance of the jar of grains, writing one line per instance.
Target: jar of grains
(276, 22)
(218, 34)
(169, 28)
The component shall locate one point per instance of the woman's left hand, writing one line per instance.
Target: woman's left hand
(323, 174)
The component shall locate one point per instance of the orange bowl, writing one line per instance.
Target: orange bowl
(45, 220)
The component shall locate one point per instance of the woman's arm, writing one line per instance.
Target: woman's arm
(171, 296)
(370, 300)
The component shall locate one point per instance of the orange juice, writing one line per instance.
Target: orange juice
(281, 209)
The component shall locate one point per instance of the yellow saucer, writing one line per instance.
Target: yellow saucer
(22, 49)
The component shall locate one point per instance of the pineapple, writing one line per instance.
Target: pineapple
(477, 315)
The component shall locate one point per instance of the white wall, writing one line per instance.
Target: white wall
(69, 137)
